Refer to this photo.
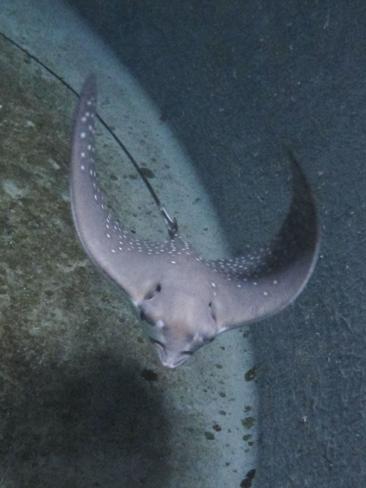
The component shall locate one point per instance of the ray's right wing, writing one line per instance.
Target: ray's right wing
(134, 264)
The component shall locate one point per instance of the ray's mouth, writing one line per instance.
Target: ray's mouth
(177, 363)
(164, 357)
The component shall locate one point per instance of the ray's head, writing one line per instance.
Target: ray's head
(180, 317)
(176, 345)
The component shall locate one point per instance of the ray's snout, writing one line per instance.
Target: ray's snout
(167, 358)
(171, 361)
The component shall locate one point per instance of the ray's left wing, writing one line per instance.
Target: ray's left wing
(253, 287)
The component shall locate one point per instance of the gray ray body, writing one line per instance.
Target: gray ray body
(186, 300)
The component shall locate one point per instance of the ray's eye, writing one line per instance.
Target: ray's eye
(146, 318)
(189, 353)
(149, 295)
(212, 311)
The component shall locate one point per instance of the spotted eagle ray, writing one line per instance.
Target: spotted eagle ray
(185, 299)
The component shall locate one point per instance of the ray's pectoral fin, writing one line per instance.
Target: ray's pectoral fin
(254, 287)
(132, 263)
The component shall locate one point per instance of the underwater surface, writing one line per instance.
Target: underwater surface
(206, 96)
